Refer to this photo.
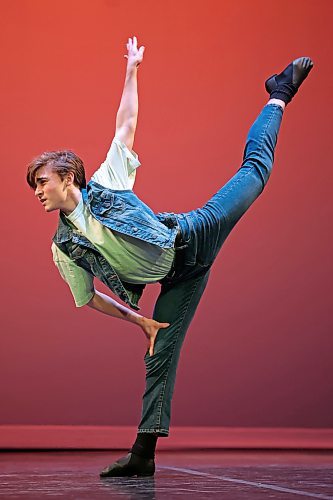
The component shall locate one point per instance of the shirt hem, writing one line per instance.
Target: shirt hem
(84, 303)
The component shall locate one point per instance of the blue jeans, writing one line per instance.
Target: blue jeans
(203, 232)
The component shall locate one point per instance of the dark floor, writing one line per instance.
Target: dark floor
(229, 475)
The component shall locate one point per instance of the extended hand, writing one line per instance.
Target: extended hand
(135, 55)
(150, 328)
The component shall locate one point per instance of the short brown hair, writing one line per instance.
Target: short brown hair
(61, 162)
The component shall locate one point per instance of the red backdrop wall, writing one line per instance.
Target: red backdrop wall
(259, 350)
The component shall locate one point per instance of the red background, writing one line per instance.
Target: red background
(259, 351)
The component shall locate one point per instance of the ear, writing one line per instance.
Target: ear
(69, 180)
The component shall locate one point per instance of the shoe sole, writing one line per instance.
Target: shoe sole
(127, 475)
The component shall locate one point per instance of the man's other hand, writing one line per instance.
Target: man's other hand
(134, 56)
(150, 328)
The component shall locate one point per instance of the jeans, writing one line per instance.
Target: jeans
(203, 232)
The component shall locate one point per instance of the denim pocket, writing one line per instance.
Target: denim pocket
(106, 203)
(77, 252)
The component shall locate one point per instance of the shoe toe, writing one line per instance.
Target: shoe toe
(104, 472)
(108, 470)
(116, 467)
(130, 465)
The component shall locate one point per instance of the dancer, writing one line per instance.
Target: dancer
(106, 231)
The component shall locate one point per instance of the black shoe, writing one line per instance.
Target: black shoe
(285, 85)
(130, 465)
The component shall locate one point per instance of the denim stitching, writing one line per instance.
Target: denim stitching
(160, 402)
(261, 137)
(264, 130)
(151, 431)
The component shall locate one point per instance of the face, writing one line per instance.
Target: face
(50, 189)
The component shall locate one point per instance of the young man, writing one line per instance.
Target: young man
(106, 231)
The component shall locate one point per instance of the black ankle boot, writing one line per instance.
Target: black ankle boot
(285, 85)
(130, 465)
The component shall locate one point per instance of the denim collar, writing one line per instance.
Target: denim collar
(64, 231)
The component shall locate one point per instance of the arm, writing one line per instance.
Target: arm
(81, 284)
(128, 109)
(105, 304)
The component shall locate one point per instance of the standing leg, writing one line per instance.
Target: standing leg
(176, 305)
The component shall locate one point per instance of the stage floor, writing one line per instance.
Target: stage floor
(229, 475)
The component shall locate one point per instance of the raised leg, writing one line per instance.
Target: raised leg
(204, 230)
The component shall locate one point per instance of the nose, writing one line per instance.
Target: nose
(37, 191)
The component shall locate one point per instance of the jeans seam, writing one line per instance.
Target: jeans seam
(160, 400)
(274, 109)
(261, 137)
(232, 187)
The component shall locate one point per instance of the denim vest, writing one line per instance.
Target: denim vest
(124, 212)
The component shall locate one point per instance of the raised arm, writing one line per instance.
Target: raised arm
(105, 304)
(128, 109)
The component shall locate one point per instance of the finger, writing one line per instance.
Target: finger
(141, 50)
(135, 42)
(130, 43)
(164, 325)
(151, 348)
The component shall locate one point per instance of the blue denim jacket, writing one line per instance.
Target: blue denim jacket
(124, 212)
